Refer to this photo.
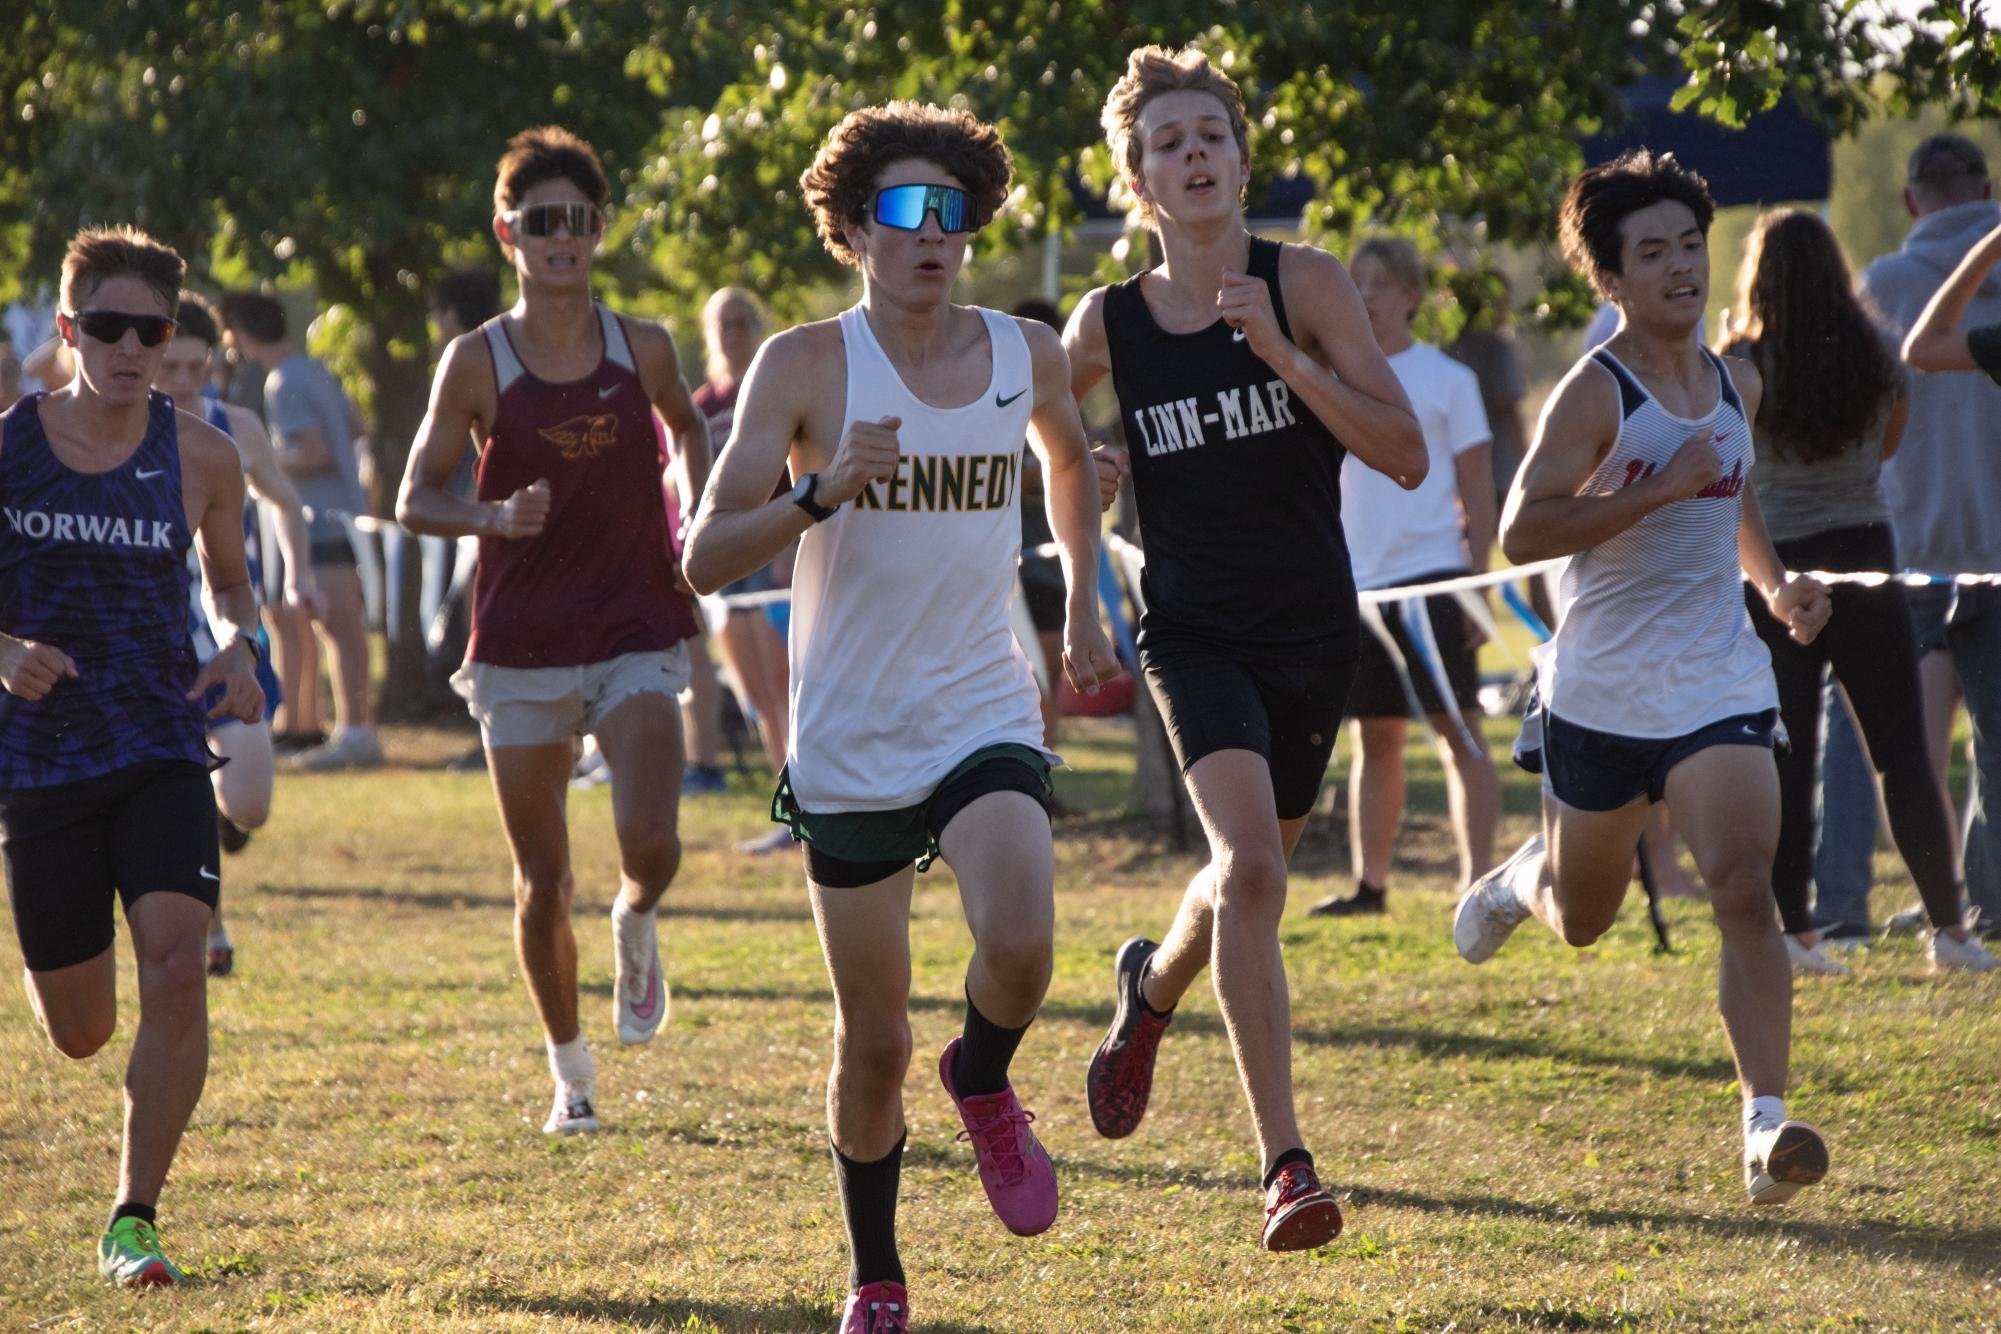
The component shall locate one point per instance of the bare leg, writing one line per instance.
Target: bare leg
(1726, 803)
(865, 938)
(1232, 793)
(641, 741)
(999, 847)
(531, 783)
(701, 716)
(295, 658)
(1375, 797)
(346, 629)
(756, 658)
(1588, 869)
(1472, 791)
(242, 786)
(169, 1063)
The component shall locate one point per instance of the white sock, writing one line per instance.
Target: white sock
(1765, 1111)
(623, 911)
(571, 1062)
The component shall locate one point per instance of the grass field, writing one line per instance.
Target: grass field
(1547, 1142)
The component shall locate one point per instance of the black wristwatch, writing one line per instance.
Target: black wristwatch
(252, 643)
(802, 496)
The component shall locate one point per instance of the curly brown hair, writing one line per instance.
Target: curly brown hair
(842, 180)
(1604, 196)
(1151, 71)
(1828, 376)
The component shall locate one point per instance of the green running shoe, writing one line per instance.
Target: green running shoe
(129, 1255)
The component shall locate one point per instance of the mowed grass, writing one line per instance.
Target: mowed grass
(1546, 1142)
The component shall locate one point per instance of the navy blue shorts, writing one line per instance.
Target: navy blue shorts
(1589, 770)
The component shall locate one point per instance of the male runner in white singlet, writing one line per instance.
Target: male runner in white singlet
(1655, 686)
(916, 726)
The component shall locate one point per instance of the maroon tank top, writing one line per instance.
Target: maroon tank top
(597, 581)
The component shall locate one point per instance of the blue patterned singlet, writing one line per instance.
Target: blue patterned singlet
(95, 564)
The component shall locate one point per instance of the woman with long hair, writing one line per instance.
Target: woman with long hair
(1833, 410)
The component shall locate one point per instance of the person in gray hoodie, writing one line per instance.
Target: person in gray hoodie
(1944, 493)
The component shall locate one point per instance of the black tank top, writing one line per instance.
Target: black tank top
(1238, 484)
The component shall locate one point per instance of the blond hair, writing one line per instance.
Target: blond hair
(1150, 72)
(1399, 259)
(715, 365)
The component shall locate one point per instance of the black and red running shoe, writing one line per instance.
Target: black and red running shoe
(1121, 1077)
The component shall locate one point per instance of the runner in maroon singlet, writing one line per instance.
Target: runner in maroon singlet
(578, 612)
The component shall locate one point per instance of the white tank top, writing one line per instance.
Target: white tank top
(1654, 640)
(903, 660)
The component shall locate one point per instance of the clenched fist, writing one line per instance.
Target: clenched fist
(523, 514)
(868, 453)
(31, 670)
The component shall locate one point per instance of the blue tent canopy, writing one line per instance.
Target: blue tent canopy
(1778, 156)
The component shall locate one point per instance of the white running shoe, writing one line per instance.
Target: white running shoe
(1813, 959)
(1910, 922)
(639, 996)
(1960, 956)
(1494, 907)
(574, 1112)
(1781, 1157)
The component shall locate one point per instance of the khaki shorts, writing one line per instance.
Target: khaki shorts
(536, 706)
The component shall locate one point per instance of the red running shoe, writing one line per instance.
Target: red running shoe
(1299, 1214)
(1121, 1077)
(876, 1308)
(1014, 1167)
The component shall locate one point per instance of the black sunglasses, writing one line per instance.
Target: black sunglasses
(109, 326)
(543, 219)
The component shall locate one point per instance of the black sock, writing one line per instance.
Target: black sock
(1278, 1164)
(984, 1053)
(1365, 890)
(1139, 993)
(145, 1213)
(868, 1207)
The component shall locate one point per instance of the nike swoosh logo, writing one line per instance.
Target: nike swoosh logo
(1237, 335)
(1000, 402)
(652, 1003)
(207, 874)
(607, 391)
(146, 475)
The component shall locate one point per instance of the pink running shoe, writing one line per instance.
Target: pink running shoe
(1299, 1213)
(876, 1308)
(1015, 1169)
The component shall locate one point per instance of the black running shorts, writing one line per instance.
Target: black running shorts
(1289, 713)
(1378, 691)
(72, 848)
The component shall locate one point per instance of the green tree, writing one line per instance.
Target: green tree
(346, 146)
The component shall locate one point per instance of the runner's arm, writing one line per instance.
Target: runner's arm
(268, 481)
(1350, 386)
(1545, 517)
(1936, 342)
(422, 504)
(214, 473)
(1473, 469)
(660, 372)
(1090, 357)
(1070, 497)
(739, 527)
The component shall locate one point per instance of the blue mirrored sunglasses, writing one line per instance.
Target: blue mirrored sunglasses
(904, 206)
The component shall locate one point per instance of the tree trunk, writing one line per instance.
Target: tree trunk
(402, 388)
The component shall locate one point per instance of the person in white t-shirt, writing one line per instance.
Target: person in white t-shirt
(1396, 538)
